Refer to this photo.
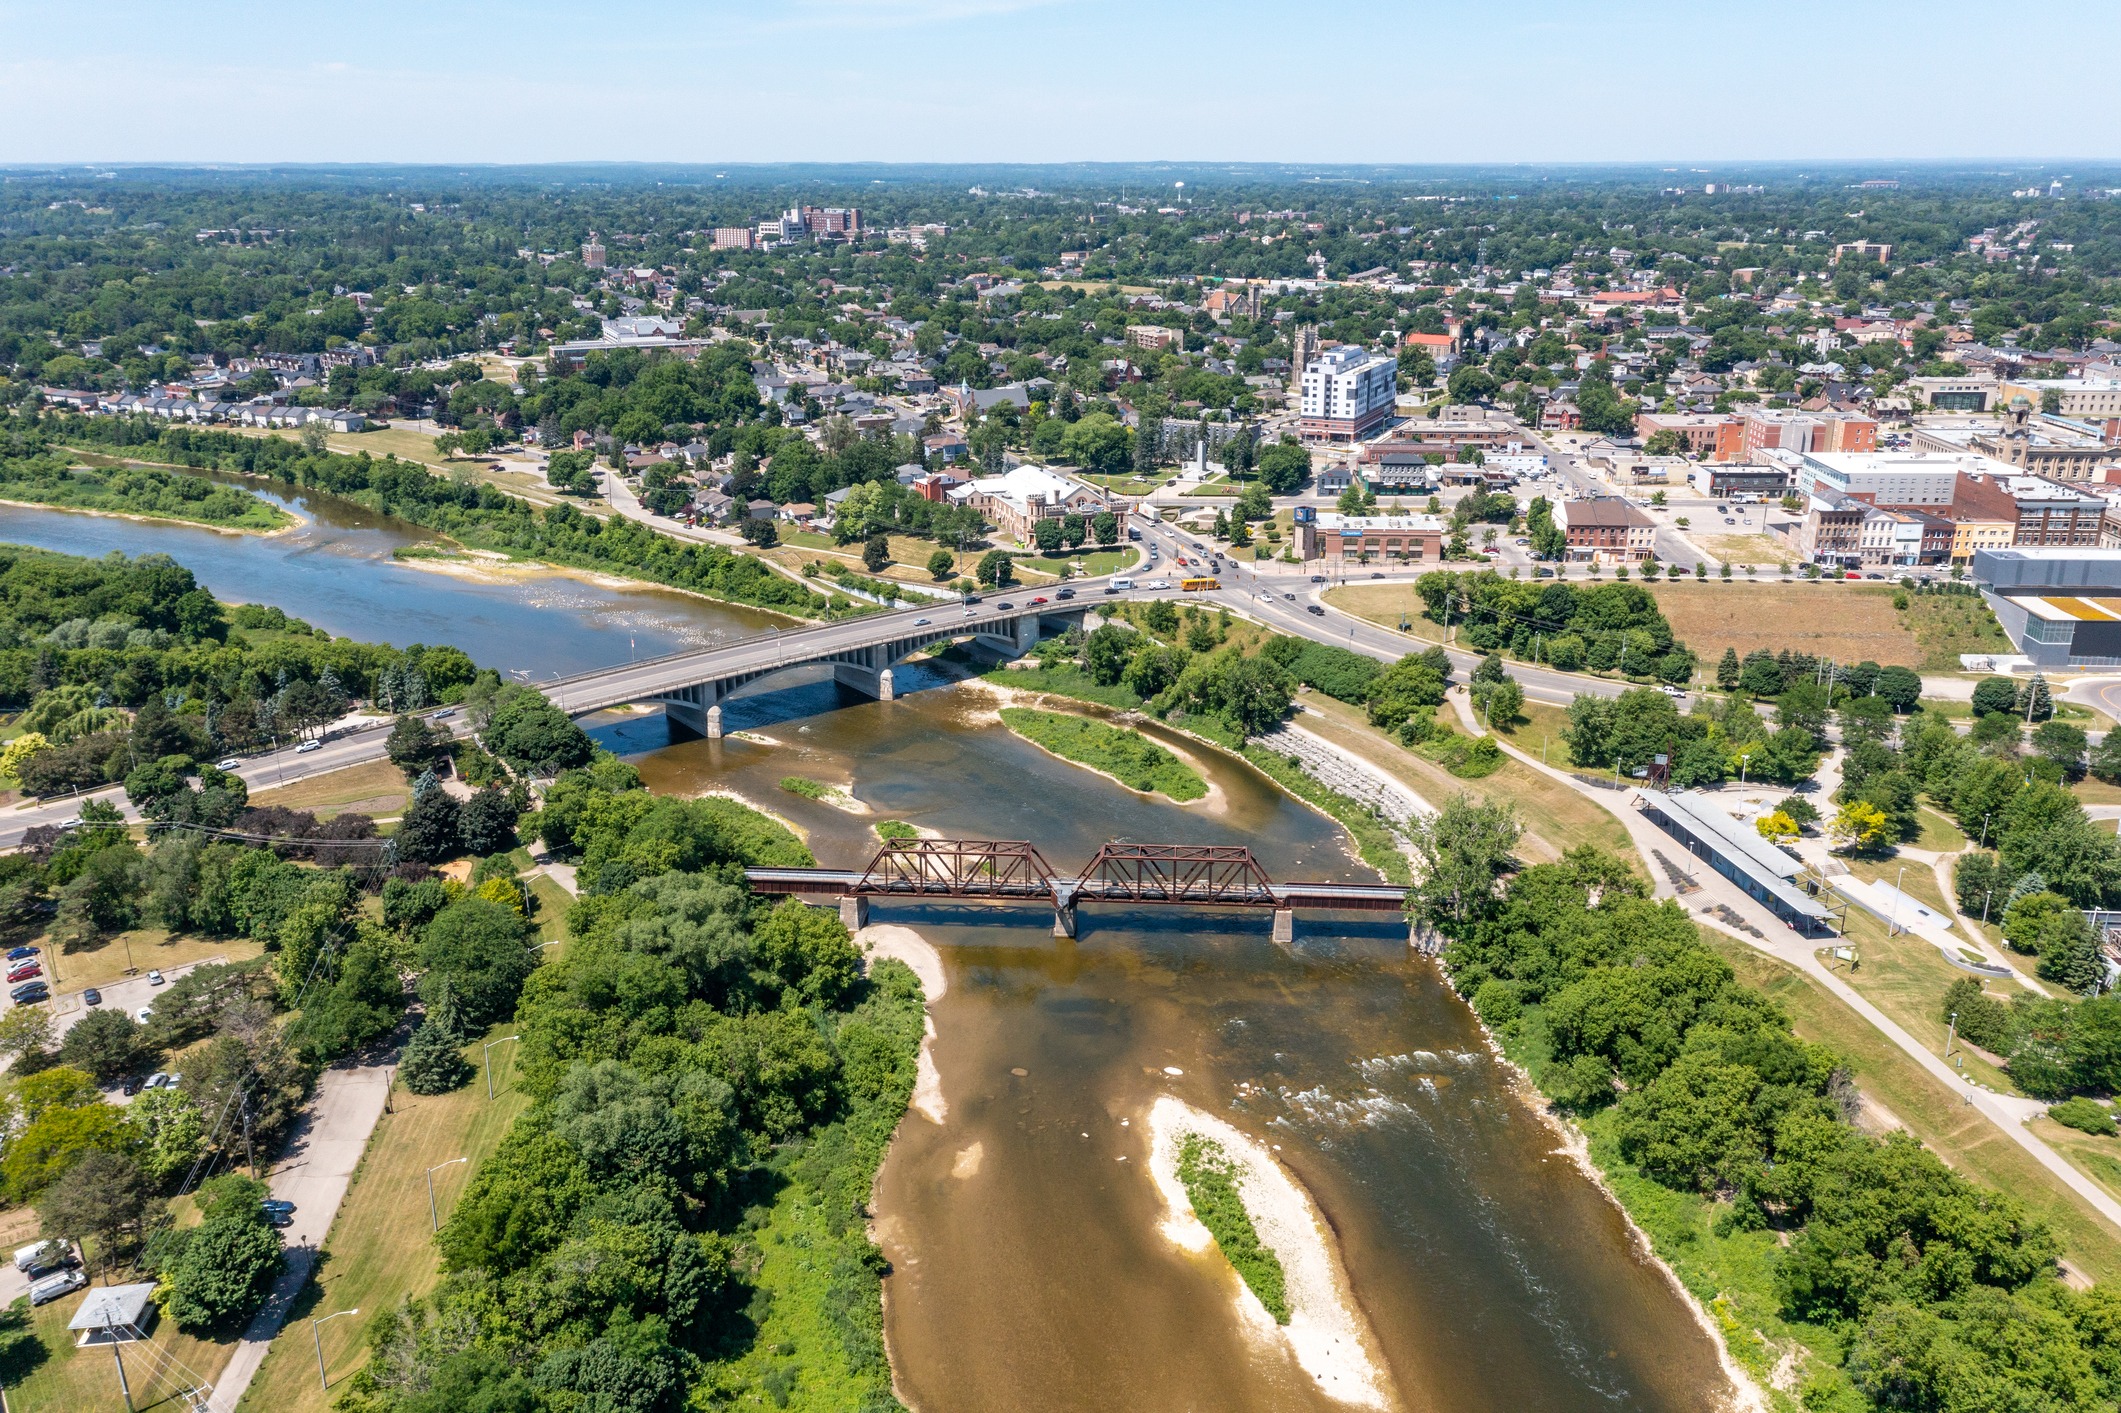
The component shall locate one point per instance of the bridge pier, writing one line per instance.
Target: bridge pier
(1284, 926)
(696, 708)
(871, 677)
(854, 912)
(1064, 920)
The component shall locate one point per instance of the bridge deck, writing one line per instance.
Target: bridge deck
(859, 883)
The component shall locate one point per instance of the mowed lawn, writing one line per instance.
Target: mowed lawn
(380, 1249)
(374, 788)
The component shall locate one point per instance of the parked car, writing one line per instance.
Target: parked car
(16, 954)
(161, 1079)
(154, 978)
(307, 746)
(92, 997)
(52, 1287)
(30, 993)
(276, 1204)
(25, 973)
(131, 1086)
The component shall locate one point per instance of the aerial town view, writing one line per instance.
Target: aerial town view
(979, 706)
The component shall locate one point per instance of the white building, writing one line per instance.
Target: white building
(1891, 477)
(1023, 495)
(1348, 392)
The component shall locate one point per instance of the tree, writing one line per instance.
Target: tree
(876, 553)
(1900, 686)
(1995, 694)
(480, 951)
(105, 1197)
(1465, 848)
(995, 570)
(2034, 703)
(941, 564)
(1046, 536)
(1727, 670)
(226, 1265)
(56, 1138)
(1105, 527)
(2106, 759)
(433, 1062)
(1777, 827)
(107, 1044)
(488, 822)
(530, 733)
(25, 1031)
(415, 746)
(1862, 826)
(1106, 652)
(2063, 744)
(432, 829)
(1283, 466)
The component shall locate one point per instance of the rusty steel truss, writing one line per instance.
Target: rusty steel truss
(957, 868)
(1221, 874)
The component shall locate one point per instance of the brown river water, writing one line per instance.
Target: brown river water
(1028, 1271)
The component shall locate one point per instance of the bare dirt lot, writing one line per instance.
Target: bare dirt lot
(1844, 621)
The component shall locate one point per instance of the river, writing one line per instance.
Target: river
(1028, 1269)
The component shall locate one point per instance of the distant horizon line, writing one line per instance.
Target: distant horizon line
(1691, 166)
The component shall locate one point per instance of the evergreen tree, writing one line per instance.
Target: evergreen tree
(433, 1062)
(1727, 670)
(2034, 703)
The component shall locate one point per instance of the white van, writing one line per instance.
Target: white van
(42, 1257)
(1122, 584)
(52, 1287)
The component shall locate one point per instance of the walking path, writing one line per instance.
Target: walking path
(313, 1174)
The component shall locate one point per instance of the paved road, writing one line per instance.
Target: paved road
(313, 1173)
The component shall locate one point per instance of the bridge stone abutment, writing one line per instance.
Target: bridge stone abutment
(870, 673)
(697, 709)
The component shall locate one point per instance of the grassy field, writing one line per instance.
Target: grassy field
(1740, 550)
(1952, 1129)
(379, 1250)
(1388, 605)
(2097, 1158)
(1905, 977)
(377, 787)
(1130, 757)
(144, 949)
(161, 1370)
(1848, 623)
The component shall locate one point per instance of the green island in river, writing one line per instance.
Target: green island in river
(1127, 756)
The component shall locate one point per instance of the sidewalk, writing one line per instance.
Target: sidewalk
(313, 1174)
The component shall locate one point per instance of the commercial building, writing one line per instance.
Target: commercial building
(2054, 515)
(1156, 337)
(1890, 477)
(734, 238)
(1333, 536)
(2052, 447)
(1953, 394)
(1605, 530)
(1806, 432)
(1707, 435)
(1831, 532)
(1736, 850)
(1861, 250)
(2061, 608)
(1348, 393)
(1984, 516)
(1741, 480)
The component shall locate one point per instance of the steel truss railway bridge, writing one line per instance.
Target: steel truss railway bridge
(1012, 871)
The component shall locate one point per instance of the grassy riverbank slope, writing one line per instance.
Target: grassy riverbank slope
(1127, 756)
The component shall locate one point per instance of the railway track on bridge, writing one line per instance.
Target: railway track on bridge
(1127, 874)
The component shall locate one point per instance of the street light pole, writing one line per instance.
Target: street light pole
(434, 1215)
(488, 1056)
(322, 1382)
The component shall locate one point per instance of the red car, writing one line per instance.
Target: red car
(1040, 599)
(24, 973)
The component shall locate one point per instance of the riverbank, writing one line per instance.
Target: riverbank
(493, 567)
(882, 941)
(1326, 1331)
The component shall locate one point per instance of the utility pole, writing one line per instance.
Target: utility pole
(124, 1388)
(1951, 1033)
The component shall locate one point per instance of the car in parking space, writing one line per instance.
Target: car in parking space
(29, 993)
(161, 1079)
(144, 1014)
(130, 1086)
(25, 973)
(307, 746)
(230, 764)
(922, 622)
(92, 997)
(16, 954)
(154, 978)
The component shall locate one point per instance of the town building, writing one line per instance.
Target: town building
(734, 238)
(2088, 399)
(1861, 250)
(1023, 495)
(593, 252)
(1709, 436)
(1736, 850)
(1348, 393)
(2060, 608)
(1984, 516)
(1337, 538)
(2053, 515)
(1607, 530)
(1972, 394)
(1156, 337)
(2038, 445)
(1441, 348)
(1742, 480)
(1888, 477)
(1804, 432)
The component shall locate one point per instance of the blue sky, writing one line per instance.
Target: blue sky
(1053, 80)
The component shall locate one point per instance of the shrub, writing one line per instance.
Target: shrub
(2084, 1115)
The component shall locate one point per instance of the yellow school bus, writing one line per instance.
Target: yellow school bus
(1193, 585)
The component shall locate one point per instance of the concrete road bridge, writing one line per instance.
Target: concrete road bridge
(1133, 875)
(690, 686)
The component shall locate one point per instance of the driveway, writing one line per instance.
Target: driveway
(313, 1174)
